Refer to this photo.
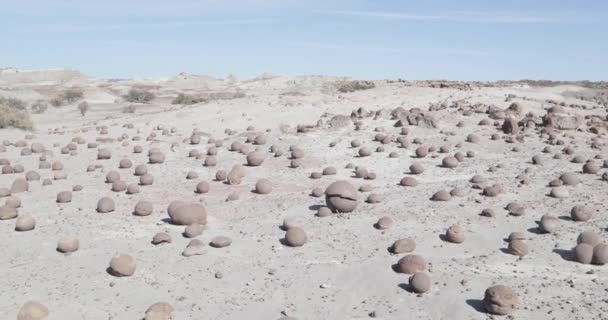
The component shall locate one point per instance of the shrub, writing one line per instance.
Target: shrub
(68, 96)
(83, 107)
(11, 117)
(39, 106)
(13, 103)
(183, 98)
(352, 86)
(57, 101)
(72, 95)
(139, 95)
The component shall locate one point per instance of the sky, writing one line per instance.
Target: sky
(364, 39)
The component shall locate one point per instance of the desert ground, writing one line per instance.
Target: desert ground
(485, 183)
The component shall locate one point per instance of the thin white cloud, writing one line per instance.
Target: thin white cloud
(83, 27)
(456, 16)
(391, 50)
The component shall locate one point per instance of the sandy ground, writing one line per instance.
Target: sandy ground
(345, 270)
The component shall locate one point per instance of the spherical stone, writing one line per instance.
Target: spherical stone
(103, 154)
(122, 265)
(125, 164)
(324, 212)
(33, 310)
(500, 300)
(133, 188)
(403, 246)
(161, 237)
(210, 161)
(591, 167)
(411, 264)
(186, 214)
(548, 223)
(193, 230)
(422, 151)
(140, 170)
(420, 282)
(316, 175)
(68, 244)
(449, 162)
(583, 253)
(441, 195)
(295, 237)
(416, 168)
(365, 152)
(384, 223)
(374, 198)
(458, 192)
(202, 187)
(159, 311)
(64, 197)
(105, 205)
(329, 171)
(143, 208)
(8, 212)
(455, 234)
(32, 176)
(220, 242)
(517, 235)
(156, 158)
(589, 237)
(255, 158)
(355, 143)
(518, 248)
(600, 254)
(119, 186)
(493, 190)
(317, 192)
(191, 175)
(559, 192)
(361, 172)
(408, 181)
(194, 247)
(580, 213)
(25, 222)
(146, 180)
(12, 201)
(60, 175)
(112, 176)
(263, 186)
(221, 175)
(341, 196)
(570, 179)
(20, 185)
(393, 155)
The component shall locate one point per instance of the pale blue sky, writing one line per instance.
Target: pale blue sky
(374, 39)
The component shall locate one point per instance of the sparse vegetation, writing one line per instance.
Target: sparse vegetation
(39, 106)
(15, 118)
(13, 103)
(187, 99)
(68, 96)
(83, 107)
(139, 95)
(352, 86)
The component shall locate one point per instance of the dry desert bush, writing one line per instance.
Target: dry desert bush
(352, 86)
(39, 106)
(13, 103)
(83, 107)
(68, 96)
(11, 117)
(139, 95)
